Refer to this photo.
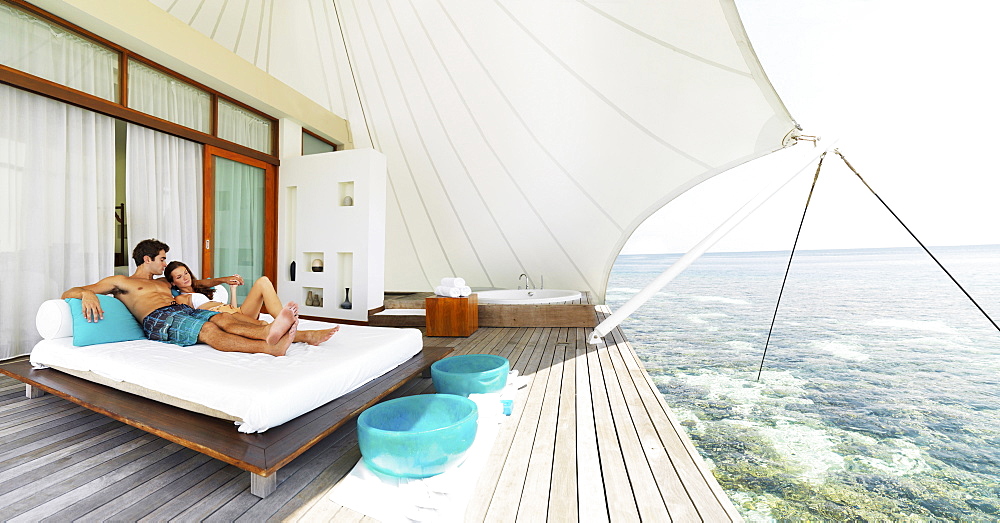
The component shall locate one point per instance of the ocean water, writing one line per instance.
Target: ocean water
(880, 395)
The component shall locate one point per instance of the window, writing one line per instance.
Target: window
(248, 129)
(166, 97)
(311, 144)
(46, 50)
(43, 54)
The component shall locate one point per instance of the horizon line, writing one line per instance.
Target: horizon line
(816, 250)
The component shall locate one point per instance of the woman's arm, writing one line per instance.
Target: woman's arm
(235, 279)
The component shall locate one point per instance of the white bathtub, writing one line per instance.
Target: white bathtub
(528, 296)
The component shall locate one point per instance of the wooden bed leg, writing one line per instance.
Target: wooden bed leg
(33, 392)
(263, 486)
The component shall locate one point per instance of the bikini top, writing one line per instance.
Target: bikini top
(198, 299)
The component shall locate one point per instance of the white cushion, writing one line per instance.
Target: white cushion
(54, 320)
(221, 293)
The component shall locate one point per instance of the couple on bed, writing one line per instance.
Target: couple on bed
(173, 320)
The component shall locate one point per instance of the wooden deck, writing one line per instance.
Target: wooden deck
(590, 439)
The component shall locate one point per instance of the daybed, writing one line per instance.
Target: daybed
(282, 405)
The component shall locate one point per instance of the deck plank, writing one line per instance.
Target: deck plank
(592, 498)
(21, 465)
(314, 503)
(511, 483)
(618, 490)
(132, 497)
(539, 478)
(710, 500)
(563, 488)
(646, 493)
(46, 497)
(526, 363)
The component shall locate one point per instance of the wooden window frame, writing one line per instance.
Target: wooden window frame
(120, 109)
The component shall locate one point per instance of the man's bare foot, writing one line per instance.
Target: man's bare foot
(292, 306)
(280, 348)
(315, 337)
(280, 326)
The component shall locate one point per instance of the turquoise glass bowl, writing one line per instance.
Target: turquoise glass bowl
(470, 373)
(417, 436)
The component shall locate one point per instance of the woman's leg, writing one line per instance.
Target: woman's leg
(312, 337)
(261, 296)
(244, 318)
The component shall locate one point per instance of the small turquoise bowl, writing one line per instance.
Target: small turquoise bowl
(470, 373)
(417, 436)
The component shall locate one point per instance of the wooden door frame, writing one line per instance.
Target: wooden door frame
(270, 211)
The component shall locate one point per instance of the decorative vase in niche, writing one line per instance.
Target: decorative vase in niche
(310, 299)
(347, 299)
(317, 265)
(348, 201)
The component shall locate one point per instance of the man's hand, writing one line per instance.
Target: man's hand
(87, 295)
(91, 307)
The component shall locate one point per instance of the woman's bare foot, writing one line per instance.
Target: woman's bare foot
(281, 347)
(285, 319)
(315, 337)
(292, 306)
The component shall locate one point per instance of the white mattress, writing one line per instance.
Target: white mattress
(263, 391)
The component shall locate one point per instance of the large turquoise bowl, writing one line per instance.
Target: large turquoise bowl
(470, 373)
(417, 436)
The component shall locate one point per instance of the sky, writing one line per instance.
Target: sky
(908, 91)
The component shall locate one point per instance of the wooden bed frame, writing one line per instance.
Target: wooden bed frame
(261, 454)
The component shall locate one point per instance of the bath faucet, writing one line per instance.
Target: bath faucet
(525, 276)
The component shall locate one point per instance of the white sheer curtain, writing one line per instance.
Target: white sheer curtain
(46, 50)
(163, 96)
(163, 188)
(57, 198)
(239, 221)
(243, 127)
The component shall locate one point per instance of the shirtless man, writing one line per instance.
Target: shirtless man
(163, 319)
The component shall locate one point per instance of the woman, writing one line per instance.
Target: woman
(198, 294)
(261, 295)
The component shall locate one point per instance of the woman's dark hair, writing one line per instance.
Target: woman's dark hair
(150, 247)
(168, 273)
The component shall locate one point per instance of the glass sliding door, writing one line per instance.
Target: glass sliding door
(239, 221)
(237, 217)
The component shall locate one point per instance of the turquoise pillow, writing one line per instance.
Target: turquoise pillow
(118, 323)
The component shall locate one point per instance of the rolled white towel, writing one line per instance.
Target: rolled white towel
(453, 282)
(465, 291)
(450, 292)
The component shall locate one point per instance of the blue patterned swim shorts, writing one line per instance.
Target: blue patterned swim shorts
(177, 324)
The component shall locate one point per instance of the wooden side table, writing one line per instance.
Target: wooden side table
(452, 316)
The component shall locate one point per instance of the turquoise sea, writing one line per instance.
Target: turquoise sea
(880, 396)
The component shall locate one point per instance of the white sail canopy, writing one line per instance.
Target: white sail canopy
(522, 136)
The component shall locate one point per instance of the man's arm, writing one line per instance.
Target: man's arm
(87, 294)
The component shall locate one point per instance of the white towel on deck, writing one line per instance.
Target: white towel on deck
(452, 282)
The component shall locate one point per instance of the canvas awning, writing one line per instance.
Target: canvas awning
(522, 136)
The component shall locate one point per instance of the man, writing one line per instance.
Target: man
(163, 319)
